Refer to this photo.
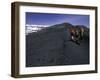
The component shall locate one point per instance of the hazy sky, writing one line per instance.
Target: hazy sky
(52, 19)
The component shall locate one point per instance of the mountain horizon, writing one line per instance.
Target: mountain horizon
(34, 28)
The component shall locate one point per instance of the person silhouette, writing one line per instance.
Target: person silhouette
(72, 34)
(81, 33)
(77, 36)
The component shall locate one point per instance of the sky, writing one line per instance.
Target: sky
(52, 19)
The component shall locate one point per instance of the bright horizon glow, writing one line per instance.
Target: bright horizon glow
(28, 25)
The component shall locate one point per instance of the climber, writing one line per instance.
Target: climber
(72, 34)
(81, 33)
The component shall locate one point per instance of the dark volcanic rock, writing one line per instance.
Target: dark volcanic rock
(52, 46)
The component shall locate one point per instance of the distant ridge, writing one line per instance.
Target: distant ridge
(35, 28)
